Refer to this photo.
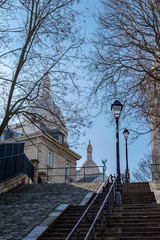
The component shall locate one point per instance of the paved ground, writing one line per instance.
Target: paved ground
(25, 207)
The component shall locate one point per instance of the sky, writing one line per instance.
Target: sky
(101, 135)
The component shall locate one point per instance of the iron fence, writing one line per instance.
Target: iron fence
(12, 166)
(11, 149)
(72, 174)
(99, 211)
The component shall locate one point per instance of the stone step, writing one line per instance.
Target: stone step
(63, 235)
(137, 225)
(67, 227)
(137, 213)
(133, 201)
(126, 238)
(140, 229)
(137, 218)
(144, 207)
(129, 234)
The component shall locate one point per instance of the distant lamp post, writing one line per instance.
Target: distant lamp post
(127, 175)
(104, 168)
(116, 108)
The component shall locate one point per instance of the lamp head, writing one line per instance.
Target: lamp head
(116, 108)
(126, 133)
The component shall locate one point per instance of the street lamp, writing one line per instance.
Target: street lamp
(116, 108)
(127, 175)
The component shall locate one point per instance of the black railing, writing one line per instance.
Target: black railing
(12, 166)
(109, 201)
(99, 200)
(11, 149)
(69, 174)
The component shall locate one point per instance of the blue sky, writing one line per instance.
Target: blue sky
(101, 135)
(103, 141)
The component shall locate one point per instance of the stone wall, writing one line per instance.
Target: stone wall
(14, 183)
(155, 187)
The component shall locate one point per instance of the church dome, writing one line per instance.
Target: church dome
(89, 165)
(44, 114)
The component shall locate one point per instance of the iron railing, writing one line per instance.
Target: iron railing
(100, 214)
(100, 200)
(11, 149)
(12, 166)
(62, 175)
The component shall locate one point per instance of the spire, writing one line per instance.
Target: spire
(46, 86)
(89, 151)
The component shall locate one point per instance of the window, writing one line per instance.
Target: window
(49, 159)
(61, 139)
(67, 169)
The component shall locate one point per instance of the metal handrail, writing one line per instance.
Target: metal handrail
(69, 167)
(100, 190)
(101, 208)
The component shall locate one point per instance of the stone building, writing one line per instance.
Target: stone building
(154, 102)
(89, 168)
(42, 129)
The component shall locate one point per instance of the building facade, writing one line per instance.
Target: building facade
(42, 129)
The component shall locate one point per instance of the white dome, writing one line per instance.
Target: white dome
(89, 165)
(44, 113)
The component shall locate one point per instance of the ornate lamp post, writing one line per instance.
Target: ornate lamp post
(116, 108)
(127, 175)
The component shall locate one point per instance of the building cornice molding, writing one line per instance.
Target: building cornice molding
(45, 135)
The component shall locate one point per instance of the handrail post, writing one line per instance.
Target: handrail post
(103, 173)
(112, 201)
(93, 213)
(84, 174)
(15, 166)
(91, 231)
(77, 235)
(102, 224)
(108, 219)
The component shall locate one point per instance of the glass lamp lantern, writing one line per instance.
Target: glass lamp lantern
(126, 133)
(116, 108)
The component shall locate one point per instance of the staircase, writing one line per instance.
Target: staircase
(65, 223)
(137, 218)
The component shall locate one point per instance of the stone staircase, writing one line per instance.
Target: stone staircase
(137, 218)
(64, 225)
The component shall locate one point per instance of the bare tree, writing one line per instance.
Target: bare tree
(145, 170)
(39, 38)
(2, 3)
(126, 58)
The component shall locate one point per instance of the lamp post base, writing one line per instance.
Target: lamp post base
(127, 176)
(118, 193)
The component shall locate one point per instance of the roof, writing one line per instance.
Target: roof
(47, 136)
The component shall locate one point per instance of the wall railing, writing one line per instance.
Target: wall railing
(104, 197)
(12, 166)
(72, 174)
